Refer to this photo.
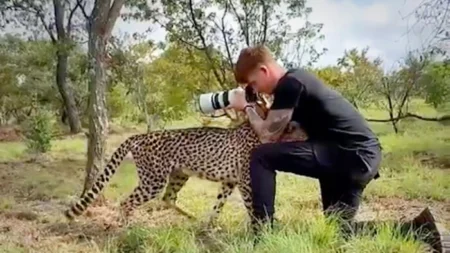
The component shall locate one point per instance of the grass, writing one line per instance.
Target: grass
(34, 192)
(314, 236)
(11, 151)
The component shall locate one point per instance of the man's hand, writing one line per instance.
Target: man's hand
(238, 100)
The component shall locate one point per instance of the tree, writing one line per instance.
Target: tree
(60, 21)
(175, 77)
(25, 73)
(129, 65)
(361, 75)
(435, 16)
(400, 86)
(331, 75)
(436, 83)
(220, 28)
(100, 21)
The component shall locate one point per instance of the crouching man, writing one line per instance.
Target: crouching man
(342, 152)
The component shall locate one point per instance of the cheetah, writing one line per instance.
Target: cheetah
(170, 157)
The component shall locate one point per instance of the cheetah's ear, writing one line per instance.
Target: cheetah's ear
(261, 109)
(267, 99)
(262, 106)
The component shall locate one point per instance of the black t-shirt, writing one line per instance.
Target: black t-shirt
(323, 112)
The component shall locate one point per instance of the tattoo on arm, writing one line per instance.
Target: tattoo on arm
(254, 117)
(276, 124)
(272, 128)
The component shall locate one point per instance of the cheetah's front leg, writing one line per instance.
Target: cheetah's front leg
(225, 191)
(246, 193)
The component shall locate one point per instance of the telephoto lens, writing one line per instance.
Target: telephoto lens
(210, 102)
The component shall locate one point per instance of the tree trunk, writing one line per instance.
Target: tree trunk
(100, 24)
(142, 99)
(98, 119)
(66, 93)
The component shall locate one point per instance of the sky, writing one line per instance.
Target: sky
(382, 25)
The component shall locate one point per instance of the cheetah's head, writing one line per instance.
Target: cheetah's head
(261, 104)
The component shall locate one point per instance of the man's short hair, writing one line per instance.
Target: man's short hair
(249, 59)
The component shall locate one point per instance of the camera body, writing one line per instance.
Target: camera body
(210, 102)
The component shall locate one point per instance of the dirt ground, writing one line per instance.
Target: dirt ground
(39, 225)
(34, 195)
(10, 133)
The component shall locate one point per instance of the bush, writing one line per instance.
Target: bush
(38, 131)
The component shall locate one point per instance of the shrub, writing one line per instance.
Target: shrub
(38, 131)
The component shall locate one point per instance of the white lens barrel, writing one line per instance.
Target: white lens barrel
(213, 101)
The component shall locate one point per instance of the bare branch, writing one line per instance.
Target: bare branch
(189, 43)
(196, 25)
(113, 14)
(224, 35)
(412, 115)
(59, 19)
(38, 12)
(100, 14)
(69, 21)
(203, 40)
(241, 24)
(247, 26)
(46, 26)
(265, 21)
(83, 9)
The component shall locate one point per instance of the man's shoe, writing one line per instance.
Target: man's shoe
(431, 232)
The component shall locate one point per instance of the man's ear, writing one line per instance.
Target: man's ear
(264, 69)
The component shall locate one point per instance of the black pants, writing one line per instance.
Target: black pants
(342, 174)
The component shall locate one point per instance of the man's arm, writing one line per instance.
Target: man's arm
(271, 129)
(286, 97)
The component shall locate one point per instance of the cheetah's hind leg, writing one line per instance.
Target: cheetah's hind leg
(142, 193)
(177, 179)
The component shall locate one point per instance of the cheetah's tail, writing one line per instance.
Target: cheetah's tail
(80, 206)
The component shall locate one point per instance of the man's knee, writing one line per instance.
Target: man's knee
(263, 151)
(261, 161)
(343, 202)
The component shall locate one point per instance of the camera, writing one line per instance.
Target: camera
(210, 102)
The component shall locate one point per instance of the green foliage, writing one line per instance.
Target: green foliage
(436, 83)
(406, 80)
(331, 75)
(362, 75)
(39, 131)
(175, 78)
(165, 86)
(117, 101)
(158, 83)
(77, 76)
(25, 71)
(220, 29)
